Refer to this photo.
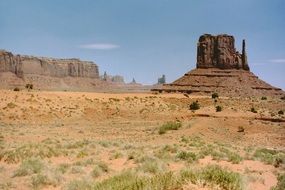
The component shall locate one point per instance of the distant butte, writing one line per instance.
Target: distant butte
(47, 73)
(220, 68)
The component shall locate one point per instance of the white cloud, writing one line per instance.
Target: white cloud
(277, 61)
(99, 46)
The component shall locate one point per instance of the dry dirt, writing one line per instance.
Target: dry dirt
(75, 133)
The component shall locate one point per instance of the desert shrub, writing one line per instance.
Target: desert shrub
(29, 86)
(87, 162)
(171, 125)
(11, 105)
(187, 156)
(210, 175)
(280, 112)
(62, 168)
(224, 179)
(77, 170)
(116, 155)
(253, 110)
(16, 89)
(218, 108)
(82, 154)
(151, 165)
(240, 129)
(215, 95)
(129, 180)
(194, 106)
(213, 175)
(234, 158)
(96, 172)
(79, 185)
(281, 182)
(195, 141)
(103, 166)
(40, 180)
(269, 156)
(27, 151)
(77, 144)
(263, 98)
(28, 167)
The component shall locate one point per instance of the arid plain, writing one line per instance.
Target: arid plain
(76, 140)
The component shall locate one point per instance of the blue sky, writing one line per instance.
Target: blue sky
(145, 38)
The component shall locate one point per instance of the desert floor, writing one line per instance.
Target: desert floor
(76, 140)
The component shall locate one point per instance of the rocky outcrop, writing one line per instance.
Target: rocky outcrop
(11, 63)
(219, 52)
(220, 68)
(29, 65)
(112, 79)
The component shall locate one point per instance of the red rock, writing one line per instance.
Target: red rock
(221, 69)
(219, 52)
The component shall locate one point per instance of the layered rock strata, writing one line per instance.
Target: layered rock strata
(24, 65)
(222, 69)
(220, 52)
(47, 73)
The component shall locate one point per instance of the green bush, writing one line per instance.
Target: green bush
(194, 106)
(187, 156)
(218, 108)
(79, 185)
(28, 167)
(269, 156)
(129, 180)
(225, 179)
(29, 86)
(27, 151)
(215, 95)
(281, 183)
(253, 110)
(210, 176)
(16, 89)
(172, 125)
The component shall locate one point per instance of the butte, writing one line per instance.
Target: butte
(222, 69)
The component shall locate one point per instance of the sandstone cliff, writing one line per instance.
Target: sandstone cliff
(48, 73)
(219, 52)
(25, 65)
(220, 68)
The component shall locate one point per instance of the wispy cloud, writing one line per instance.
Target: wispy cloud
(277, 61)
(99, 46)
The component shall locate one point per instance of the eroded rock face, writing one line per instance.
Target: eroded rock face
(221, 69)
(25, 65)
(11, 63)
(219, 52)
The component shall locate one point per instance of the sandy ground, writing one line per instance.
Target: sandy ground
(114, 128)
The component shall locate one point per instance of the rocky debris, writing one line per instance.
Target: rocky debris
(219, 52)
(25, 65)
(221, 69)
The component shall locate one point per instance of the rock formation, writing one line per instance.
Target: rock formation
(219, 52)
(46, 73)
(112, 79)
(222, 69)
(24, 65)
